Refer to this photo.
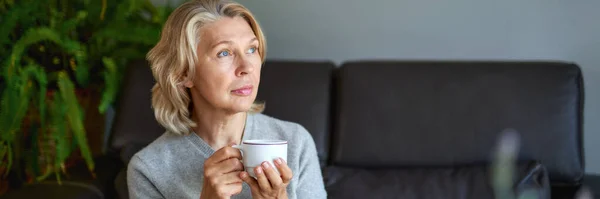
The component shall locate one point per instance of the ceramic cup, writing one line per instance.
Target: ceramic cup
(255, 152)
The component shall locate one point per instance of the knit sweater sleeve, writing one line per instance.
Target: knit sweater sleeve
(139, 182)
(310, 180)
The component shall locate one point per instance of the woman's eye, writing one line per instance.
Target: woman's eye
(223, 53)
(252, 50)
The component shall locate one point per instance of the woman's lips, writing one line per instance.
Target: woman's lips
(243, 91)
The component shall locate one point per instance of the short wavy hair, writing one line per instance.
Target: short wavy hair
(175, 56)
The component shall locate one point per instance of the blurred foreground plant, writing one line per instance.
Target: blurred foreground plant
(504, 168)
(50, 51)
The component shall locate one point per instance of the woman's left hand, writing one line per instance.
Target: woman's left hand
(268, 183)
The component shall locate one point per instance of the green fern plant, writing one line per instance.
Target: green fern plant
(49, 50)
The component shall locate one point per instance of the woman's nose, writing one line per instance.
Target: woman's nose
(244, 66)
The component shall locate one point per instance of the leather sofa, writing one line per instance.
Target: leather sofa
(427, 129)
(404, 129)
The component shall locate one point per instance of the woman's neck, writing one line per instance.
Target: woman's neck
(219, 129)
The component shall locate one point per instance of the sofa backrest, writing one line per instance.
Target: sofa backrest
(397, 114)
(418, 113)
(300, 92)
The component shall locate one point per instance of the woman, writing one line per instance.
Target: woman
(207, 69)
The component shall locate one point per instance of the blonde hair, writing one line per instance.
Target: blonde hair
(175, 56)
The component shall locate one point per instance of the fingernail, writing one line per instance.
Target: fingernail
(258, 170)
(243, 174)
(265, 165)
(278, 160)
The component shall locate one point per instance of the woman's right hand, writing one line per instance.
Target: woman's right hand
(221, 174)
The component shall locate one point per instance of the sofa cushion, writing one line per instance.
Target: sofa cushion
(299, 92)
(446, 113)
(458, 182)
(121, 184)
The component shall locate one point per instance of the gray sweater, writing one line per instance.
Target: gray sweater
(172, 165)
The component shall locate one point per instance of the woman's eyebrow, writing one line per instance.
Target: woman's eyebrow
(253, 39)
(221, 42)
(230, 42)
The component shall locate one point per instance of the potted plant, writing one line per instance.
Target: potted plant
(58, 57)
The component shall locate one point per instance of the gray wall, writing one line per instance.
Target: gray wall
(342, 30)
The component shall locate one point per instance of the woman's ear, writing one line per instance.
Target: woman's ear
(188, 83)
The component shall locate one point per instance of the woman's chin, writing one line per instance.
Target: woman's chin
(240, 108)
(239, 105)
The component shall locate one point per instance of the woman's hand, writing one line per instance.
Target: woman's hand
(221, 174)
(268, 183)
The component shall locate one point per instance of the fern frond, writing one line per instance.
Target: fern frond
(154, 12)
(134, 34)
(3, 152)
(35, 35)
(55, 18)
(74, 117)
(46, 174)
(111, 84)
(38, 74)
(57, 127)
(15, 107)
(6, 105)
(57, 174)
(70, 24)
(127, 53)
(81, 66)
(10, 159)
(9, 21)
(31, 36)
(14, 103)
(61, 138)
(127, 8)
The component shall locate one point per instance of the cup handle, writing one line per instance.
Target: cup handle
(239, 147)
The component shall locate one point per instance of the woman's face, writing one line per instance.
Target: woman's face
(228, 70)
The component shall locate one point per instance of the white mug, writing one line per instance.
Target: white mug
(255, 152)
